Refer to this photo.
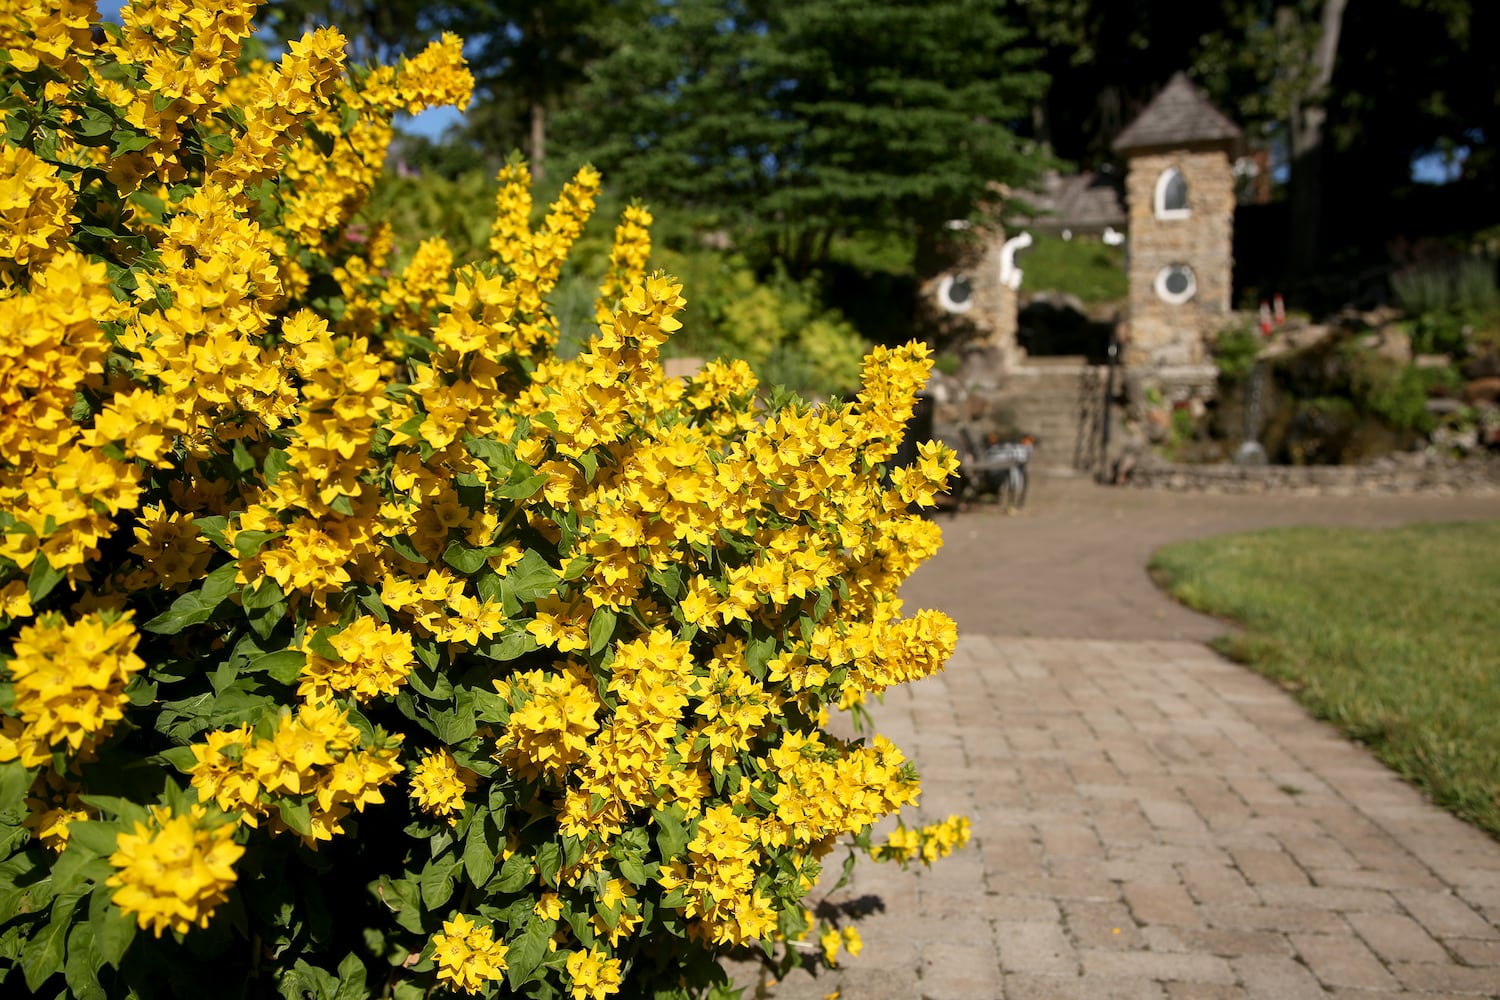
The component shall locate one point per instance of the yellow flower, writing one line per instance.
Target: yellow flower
(70, 680)
(830, 940)
(467, 956)
(592, 975)
(174, 870)
(439, 784)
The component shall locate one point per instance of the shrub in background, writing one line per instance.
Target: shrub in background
(351, 644)
(1235, 350)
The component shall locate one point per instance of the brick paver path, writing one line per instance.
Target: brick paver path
(1151, 821)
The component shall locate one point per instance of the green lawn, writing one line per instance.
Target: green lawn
(1083, 266)
(1393, 636)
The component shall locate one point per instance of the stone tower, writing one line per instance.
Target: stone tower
(972, 301)
(1179, 186)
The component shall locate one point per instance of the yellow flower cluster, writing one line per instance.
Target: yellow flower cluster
(927, 844)
(175, 870)
(284, 97)
(832, 939)
(374, 660)
(36, 211)
(467, 954)
(69, 681)
(53, 804)
(314, 754)
(54, 33)
(439, 784)
(435, 77)
(592, 975)
(627, 260)
(372, 526)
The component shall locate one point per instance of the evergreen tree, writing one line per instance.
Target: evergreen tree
(801, 120)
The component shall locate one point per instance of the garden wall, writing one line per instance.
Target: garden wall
(1407, 473)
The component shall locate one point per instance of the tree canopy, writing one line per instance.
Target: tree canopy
(803, 119)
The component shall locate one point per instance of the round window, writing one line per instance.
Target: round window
(956, 293)
(1175, 283)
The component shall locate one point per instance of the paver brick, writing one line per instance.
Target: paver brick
(1483, 981)
(1475, 952)
(1036, 948)
(1263, 867)
(1204, 991)
(1341, 960)
(1162, 966)
(1268, 977)
(1154, 787)
(1445, 915)
(1029, 987)
(1161, 903)
(1396, 937)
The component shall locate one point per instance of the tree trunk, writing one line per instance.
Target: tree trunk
(538, 151)
(1308, 115)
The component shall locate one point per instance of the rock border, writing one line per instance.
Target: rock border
(1410, 473)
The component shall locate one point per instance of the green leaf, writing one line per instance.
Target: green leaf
(455, 725)
(465, 559)
(352, 979)
(125, 810)
(275, 464)
(527, 950)
(633, 870)
(43, 955)
(320, 643)
(297, 816)
(758, 652)
(179, 758)
(669, 579)
(481, 848)
(522, 489)
(403, 899)
(113, 930)
(671, 832)
(506, 647)
(284, 665)
(212, 528)
(530, 578)
(78, 867)
(515, 873)
(404, 548)
(43, 578)
(601, 629)
(549, 862)
(196, 606)
(436, 881)
(243, 460)
(303, 981)
(82, 969)
(248, 543)
(96, 836)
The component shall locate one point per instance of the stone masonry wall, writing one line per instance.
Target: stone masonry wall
(990, 323)
(1161, 333)
(1406, 473)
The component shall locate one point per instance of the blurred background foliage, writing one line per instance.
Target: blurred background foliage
(800, 157)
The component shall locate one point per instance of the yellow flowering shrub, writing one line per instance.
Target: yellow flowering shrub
(351, 643)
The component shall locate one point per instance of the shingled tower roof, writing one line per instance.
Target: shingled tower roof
(1178, 116)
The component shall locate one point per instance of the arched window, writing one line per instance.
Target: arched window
(1175, 284)
(1172, 195)
(956, 293)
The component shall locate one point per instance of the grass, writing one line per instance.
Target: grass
(1390, 635)
(1084, 266)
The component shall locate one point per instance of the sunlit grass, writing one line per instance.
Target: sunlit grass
(1393, 636)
